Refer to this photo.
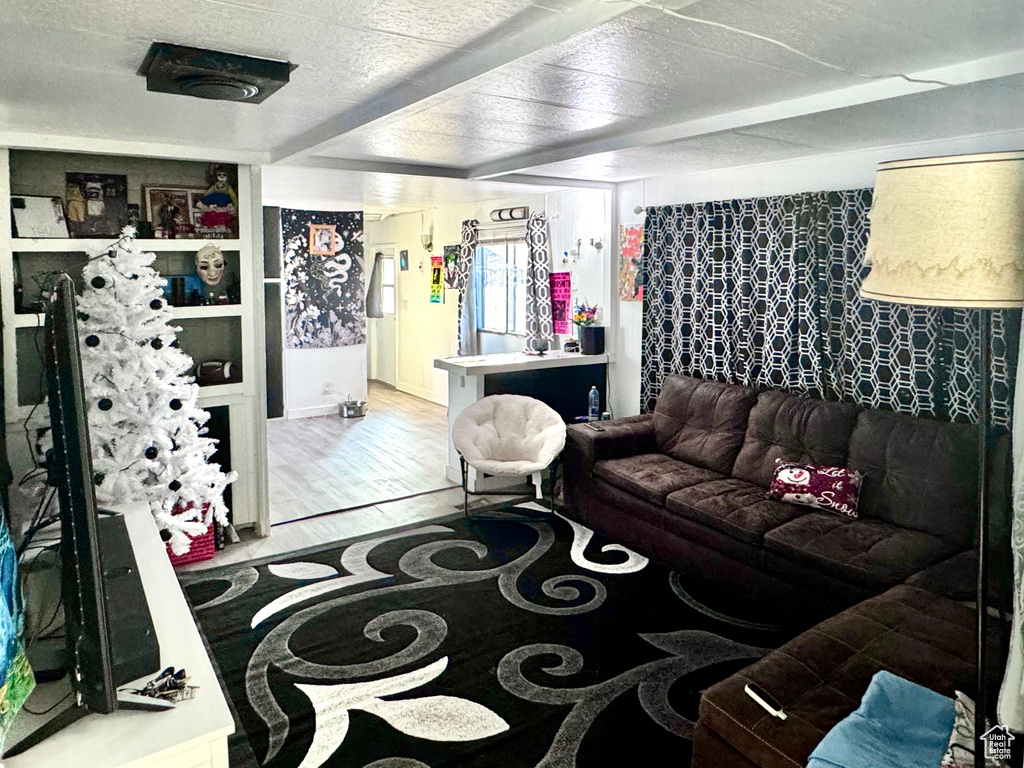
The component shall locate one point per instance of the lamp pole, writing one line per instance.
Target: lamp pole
(981, 619)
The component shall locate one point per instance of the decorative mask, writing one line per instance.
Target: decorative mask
(210, 265)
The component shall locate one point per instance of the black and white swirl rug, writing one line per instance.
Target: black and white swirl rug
(483, 644)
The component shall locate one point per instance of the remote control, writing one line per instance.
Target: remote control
(758, 694)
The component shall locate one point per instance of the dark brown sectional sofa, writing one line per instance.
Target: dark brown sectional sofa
(687, 485)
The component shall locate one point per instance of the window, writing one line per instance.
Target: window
(387, 292)
(500, 276)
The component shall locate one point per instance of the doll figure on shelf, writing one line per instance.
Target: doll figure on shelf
(76, 203)
(210, 267)
(219, 205)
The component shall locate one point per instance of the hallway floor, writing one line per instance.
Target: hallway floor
(328, 463)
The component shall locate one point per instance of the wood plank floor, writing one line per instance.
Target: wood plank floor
(328, 463)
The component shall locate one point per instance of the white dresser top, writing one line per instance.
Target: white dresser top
(125, 739)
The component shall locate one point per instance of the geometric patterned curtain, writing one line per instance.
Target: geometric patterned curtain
(766, 292)
(466, 329)
(539, 325)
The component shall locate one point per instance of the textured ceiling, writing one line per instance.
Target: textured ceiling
(69, 68)
(989, 107)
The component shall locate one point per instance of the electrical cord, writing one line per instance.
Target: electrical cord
(50, 708)
(60, 602)
(45, 282)
(36, 523)
(779, 43)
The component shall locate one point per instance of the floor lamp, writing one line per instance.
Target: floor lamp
(949, 232)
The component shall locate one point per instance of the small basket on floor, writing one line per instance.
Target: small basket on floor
(203, 545)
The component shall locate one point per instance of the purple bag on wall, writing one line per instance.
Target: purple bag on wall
(834, 489)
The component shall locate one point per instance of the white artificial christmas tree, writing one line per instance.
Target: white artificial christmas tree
(146, 428)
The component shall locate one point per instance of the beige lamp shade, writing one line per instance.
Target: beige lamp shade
(948, 232)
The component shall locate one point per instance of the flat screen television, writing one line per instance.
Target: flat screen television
(88, 542)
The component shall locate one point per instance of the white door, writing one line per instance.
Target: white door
(383, 348)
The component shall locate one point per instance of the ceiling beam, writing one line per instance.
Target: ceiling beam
(437, 172)
(989, 68)
(554, 181)
(378, 166)
(104, 146)
(456, 72)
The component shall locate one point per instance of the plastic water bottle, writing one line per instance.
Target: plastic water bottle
(594, 403)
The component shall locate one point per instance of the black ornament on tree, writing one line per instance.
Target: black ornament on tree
(105, 404)
(98, 282)
(92, 340)
(156, 344)
(151, 453)
(165, 535)
(174, 485)
(175, 404)
(97, 478)
(155, 304)
(83, 316)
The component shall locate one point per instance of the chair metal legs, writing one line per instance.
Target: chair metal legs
(464, 467)
(465, 485)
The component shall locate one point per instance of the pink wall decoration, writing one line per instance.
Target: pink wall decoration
(631, 285)
(561, 300)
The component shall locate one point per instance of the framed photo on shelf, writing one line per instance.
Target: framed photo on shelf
(97, 204)
(322, 239)
(36, 216)
(169, 210)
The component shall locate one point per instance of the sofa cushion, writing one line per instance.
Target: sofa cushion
(793, 428)
(733, 506)
(918, 473)
(652, 476)
(702, 422)
(869, 552)
(820, 676)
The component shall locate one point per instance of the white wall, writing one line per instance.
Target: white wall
(306, 371)
(426, 331)
(849, 170)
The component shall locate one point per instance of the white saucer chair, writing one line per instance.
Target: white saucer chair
(508, 436)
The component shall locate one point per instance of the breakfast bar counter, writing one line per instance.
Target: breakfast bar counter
(560, 379)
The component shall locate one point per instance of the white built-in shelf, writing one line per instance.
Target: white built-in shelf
(215, 332)
(29, 321)
(92, 245)
(180, 313)
(219, 390)
(212, 310)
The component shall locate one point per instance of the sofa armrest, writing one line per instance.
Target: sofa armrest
(618, 439)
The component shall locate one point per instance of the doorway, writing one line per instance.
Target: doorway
(382, 346)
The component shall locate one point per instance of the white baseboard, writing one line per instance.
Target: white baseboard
(425, 394)
(315, 410)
